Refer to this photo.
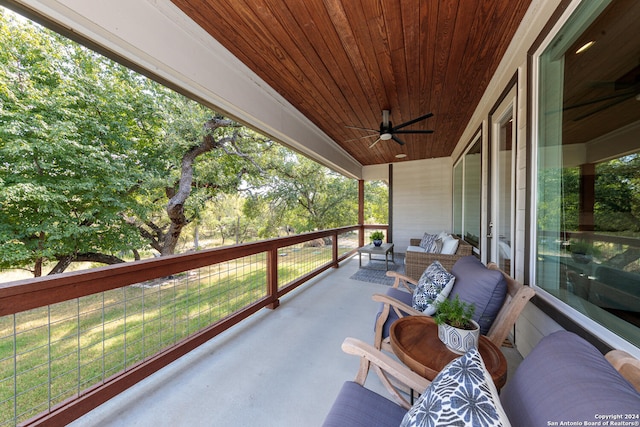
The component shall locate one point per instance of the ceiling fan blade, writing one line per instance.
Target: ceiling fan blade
(362, 137)
(412, 131)
(603, 107)
(355, 127)
(376, 141)
(597, 100)
(398, 140)
(410, 122)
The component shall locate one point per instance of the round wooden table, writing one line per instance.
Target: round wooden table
(415, 341)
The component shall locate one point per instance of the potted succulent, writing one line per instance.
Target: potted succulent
(376, 237)
(456, 328)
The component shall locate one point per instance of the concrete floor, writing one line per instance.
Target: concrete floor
(280, 367)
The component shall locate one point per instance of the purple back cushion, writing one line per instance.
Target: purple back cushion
(565, 378)
(476, 284)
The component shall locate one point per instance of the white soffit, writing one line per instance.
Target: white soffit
(158, 37)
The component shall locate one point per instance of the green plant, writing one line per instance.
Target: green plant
(377, 235)
(584, 247)
(455, 313)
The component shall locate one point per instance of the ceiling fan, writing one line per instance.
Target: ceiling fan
(388, 131)
(622, 89)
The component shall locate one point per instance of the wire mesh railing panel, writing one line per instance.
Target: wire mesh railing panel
(52, 353)
(347, 242)
(297, 260)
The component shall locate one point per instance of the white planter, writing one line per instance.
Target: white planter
(459, 340)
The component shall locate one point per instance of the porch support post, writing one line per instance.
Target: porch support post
(361, 212)
(390, 204)
(272, 277)
(586, 219)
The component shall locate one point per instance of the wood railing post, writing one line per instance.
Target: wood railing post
(334, 248)
(361, 212)
(272, 278)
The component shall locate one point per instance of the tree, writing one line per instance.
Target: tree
(617, 195)
(99, 161)
(306, 196)
(376, 202)
(93, 153)
(66, 124)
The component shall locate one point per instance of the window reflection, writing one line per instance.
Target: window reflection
(467, 187)
(588, 202)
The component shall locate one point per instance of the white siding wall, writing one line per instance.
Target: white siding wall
(422, 199)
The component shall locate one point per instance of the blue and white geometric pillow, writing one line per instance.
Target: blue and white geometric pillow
(462, 394)
(434, 286)
(428, 242)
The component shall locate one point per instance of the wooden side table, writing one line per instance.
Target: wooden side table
(414, 339)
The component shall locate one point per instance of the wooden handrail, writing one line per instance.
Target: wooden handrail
(27, 294)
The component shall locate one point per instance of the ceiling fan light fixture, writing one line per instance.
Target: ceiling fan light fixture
(585, 46)
(401, 156)
(388, 131)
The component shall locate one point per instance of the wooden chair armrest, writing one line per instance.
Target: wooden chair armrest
(386, 299)
(385, 365)
(401, 278)
(627, 365)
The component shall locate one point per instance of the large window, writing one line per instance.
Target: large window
(588, 165)
(467, 189)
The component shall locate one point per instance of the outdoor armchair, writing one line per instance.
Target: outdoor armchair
(396, 303)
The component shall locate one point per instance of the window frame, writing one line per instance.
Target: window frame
(558, 310)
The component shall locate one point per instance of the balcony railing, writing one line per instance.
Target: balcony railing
(70, 342)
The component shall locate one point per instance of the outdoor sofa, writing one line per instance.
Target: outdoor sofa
(417, 258)
(563, 381)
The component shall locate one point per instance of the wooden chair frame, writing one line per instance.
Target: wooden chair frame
(386, 368)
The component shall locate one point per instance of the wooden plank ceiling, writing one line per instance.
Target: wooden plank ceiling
(341, 62)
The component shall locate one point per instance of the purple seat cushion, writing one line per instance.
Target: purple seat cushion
(485, 288)
(565, 378)
(400, 295)
(358, 406)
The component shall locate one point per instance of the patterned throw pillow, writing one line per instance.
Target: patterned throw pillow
(434, 286)
(428, 242)
(462, 394)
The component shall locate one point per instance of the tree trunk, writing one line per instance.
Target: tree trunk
(175, 207)
(196, 236)
(65, 261)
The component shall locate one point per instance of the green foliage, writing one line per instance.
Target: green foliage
(584, 247)
(92, 152)
(306, 196)
(617, 197)
(66, 132)
(455, 313)
(377, 235)
(376, 202)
